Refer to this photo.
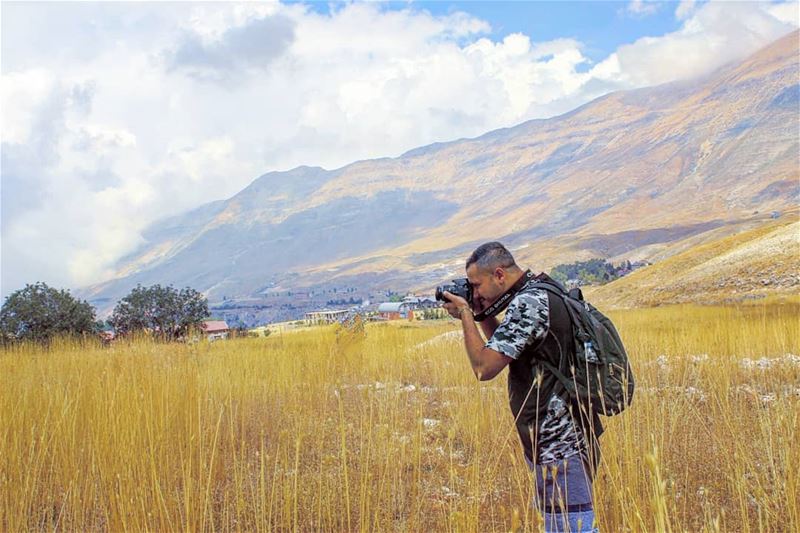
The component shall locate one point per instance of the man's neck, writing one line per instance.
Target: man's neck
(514, 276)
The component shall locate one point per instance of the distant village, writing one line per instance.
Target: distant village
(410, 307)
(343, 304)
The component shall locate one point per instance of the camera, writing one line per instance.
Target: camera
(459, 287)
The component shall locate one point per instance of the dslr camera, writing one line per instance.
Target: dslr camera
(459, 287)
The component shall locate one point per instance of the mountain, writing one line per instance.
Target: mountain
(625, 175)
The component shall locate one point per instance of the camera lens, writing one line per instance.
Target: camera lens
(440, 294)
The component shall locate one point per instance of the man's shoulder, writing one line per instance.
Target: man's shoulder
(528, 309)
(526, 320)
(530, 297)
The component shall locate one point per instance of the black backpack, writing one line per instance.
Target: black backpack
(599, 375)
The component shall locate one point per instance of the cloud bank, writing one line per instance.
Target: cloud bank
(115, 115)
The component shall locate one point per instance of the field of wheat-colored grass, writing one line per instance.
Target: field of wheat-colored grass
(328, 430)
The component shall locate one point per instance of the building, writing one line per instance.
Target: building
(326, 317)
(215, 329)
(420, 302)
(396, 310)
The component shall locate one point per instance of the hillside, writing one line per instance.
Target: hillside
(626, 175)
(751, 264)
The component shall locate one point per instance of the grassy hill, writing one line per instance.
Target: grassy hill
(752, 264)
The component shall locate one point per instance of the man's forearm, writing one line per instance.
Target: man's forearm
(473, 341)
(485, 362)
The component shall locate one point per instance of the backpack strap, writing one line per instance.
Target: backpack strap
(563, 380)
(550, 285)
(556, 288)
(576, 293)
(543, 279)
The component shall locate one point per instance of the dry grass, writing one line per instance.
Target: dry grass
(314, 431)
(757, 262)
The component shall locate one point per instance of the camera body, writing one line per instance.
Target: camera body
(460, 287)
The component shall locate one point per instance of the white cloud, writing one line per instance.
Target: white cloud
(788, 12)
(256, 44)
(114, 115)
(641, 8)
(211, 22)
(684, 9)
(715, 34)
(100, 138)
(21, 93)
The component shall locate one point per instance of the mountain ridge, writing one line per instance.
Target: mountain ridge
(618, 174)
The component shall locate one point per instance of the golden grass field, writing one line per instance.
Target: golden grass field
(326, 430)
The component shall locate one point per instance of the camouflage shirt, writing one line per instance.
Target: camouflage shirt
(524, 326)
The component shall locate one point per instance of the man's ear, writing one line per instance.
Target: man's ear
(500, 274)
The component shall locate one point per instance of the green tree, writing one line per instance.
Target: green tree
(163, 311)
(39, 312)
(591, 271)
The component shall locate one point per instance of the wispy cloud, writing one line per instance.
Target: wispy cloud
(684, 9)
(642, 8)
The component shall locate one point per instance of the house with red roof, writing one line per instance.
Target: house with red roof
(215, 329)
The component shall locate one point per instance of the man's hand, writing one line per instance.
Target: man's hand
(455, 305)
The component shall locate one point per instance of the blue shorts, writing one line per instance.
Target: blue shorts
(564, 495)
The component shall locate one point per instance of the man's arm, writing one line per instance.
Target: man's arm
(488, 325)
(486, 363)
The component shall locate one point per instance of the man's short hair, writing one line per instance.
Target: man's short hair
(491, 255)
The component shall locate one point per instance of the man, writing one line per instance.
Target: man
(558, 438)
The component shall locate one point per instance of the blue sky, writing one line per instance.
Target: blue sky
(115, 115)
(600, 26)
